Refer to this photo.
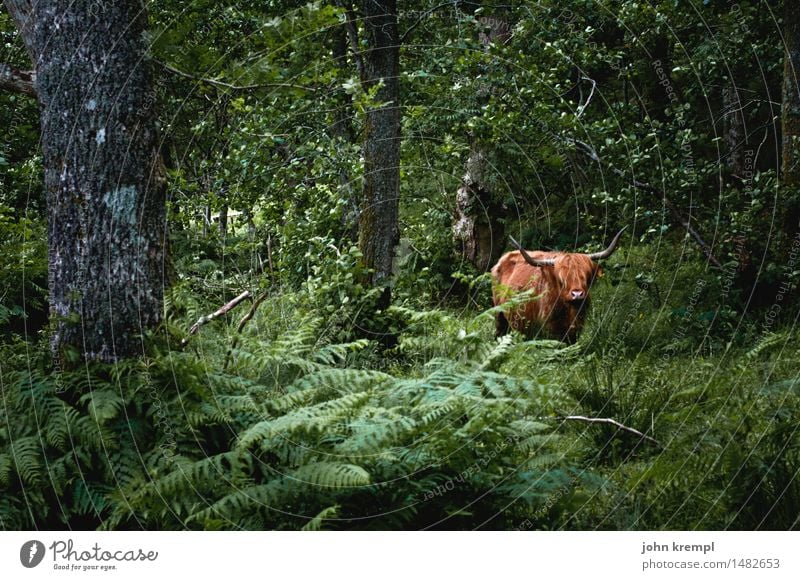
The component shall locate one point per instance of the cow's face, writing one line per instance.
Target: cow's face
(575, 273)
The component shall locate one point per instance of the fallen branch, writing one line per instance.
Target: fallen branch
(242, 323)
(246, 318)
(608, 421)
(214, 315)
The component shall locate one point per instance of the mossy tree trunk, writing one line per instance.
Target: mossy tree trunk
(103, 175)
(479, 228)
(378, 220)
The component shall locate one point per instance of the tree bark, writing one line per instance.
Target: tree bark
(223, 220)
(479, 229)
(21, 12)
(342, 125)
(733, 131)
(790, 123)
(342, 132)
(378, 221)
(104, 178)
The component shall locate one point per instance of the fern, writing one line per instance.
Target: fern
(331, 475)
(306, 419)
(26, 453)
(6, 466)
(316, 523)
(292, 427)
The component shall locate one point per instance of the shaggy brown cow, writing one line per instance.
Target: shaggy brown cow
(560, 282)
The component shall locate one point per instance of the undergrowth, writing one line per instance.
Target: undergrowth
(285, 425)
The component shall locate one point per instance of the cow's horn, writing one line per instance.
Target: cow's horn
(610, 249)
(528, 258)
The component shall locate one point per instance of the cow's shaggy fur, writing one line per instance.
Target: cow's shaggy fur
(552, 309)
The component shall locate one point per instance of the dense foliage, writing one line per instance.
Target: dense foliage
(295, 411)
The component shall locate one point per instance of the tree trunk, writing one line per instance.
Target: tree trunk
(342, 126)
(104, 178)
(791, 98)
(733, 131)
(342, 132)
(479, 229)
(378, 229)
(21, 12)
(223, 220)
(790, 121)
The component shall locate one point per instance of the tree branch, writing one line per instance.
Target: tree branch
(607, 421)
(17, 81)
(678, 216)
(352, 36)
(246, 318)
(424, 16)
(582, 107)
(590, 152)
(214, 315)
(242, 323)
(21, 12)
(229, 86)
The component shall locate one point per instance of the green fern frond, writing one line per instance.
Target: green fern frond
(26, 453)
(243, 501)
(340, 381)
(434, 411)
(331, 475)
(6, 465)
(372, 435)
(543, 461)
(318, 521)
(127, 466)
(497, 354)
(60, 419)
(199, 475)
(766, 343)
(306, 420)
(334, 354)
(103, 404)
(289, 401)
(231, 405)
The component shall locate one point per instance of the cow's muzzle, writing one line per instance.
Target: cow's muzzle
(577, 295)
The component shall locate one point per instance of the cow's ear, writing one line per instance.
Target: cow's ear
(598, 271)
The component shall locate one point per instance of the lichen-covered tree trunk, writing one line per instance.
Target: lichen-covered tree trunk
(733, 131)
(479, 228)
(378, 230)
(103, 175)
